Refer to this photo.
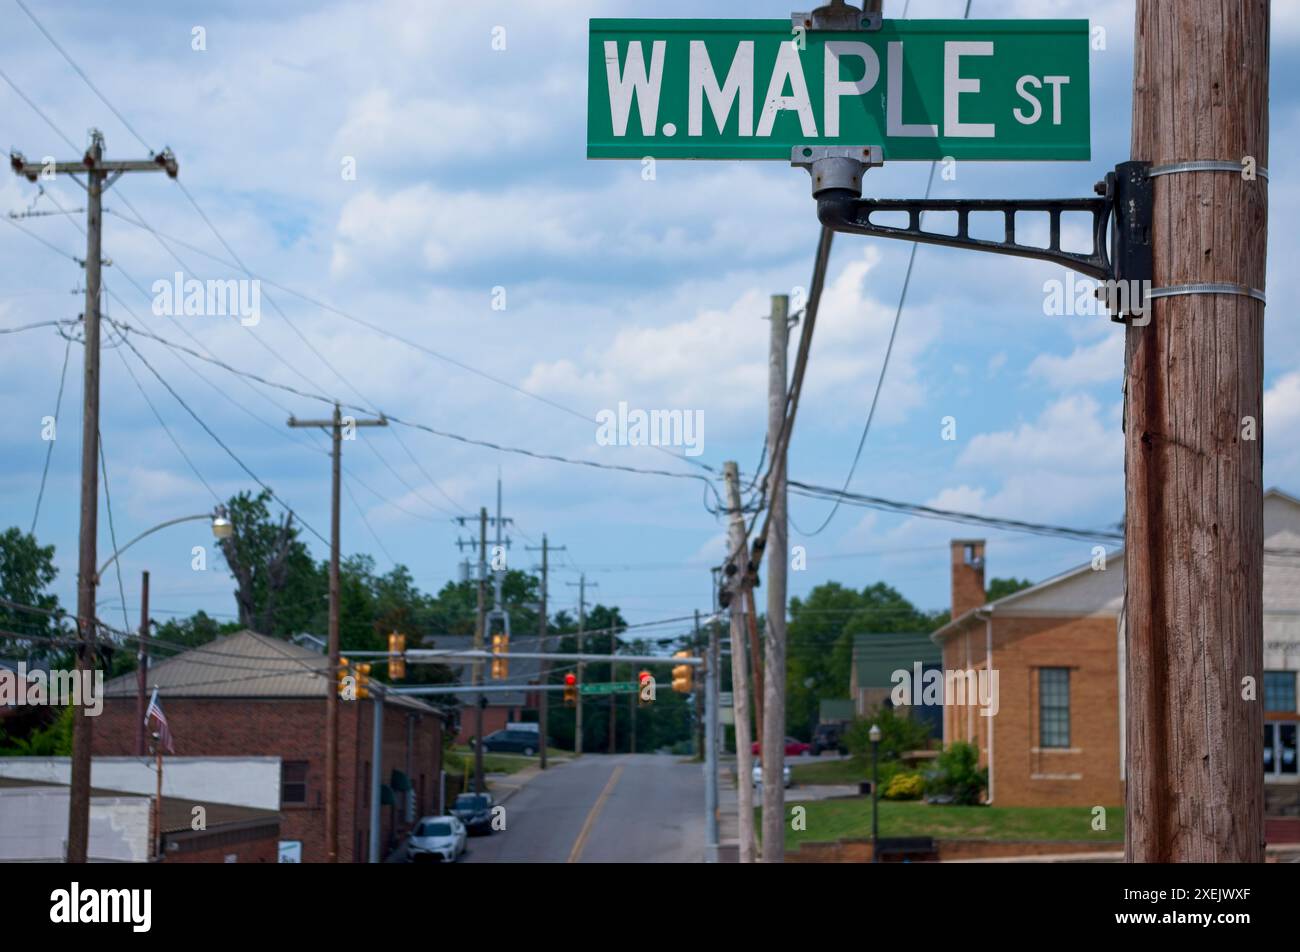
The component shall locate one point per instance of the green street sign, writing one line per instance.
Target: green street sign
(920, 89)
(609, 687)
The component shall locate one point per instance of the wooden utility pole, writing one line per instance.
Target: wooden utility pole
(772, 736)
(142, 667)
(739, 579)
(1193, 459)
(100, 176)
(337, 425)
(582, 665)
(543, 709)
(480, 634)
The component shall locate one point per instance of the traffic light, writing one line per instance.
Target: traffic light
(345, 680)
(363, 680)
(570, 690)
(683, 674)
(645, 688)
(396, 657)
(500, 656)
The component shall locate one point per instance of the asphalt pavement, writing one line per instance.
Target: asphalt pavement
(626, 808)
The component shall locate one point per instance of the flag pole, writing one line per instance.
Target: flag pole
(157, 800)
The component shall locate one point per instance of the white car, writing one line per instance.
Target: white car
(758, 774)
(437, 839)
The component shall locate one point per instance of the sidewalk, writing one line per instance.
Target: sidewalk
(728, 850)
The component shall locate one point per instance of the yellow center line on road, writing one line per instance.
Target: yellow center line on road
(581, 841)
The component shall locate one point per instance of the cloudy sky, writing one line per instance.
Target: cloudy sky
(471, 176)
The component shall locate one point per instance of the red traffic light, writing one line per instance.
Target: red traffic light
(570, 678)
(643, 677)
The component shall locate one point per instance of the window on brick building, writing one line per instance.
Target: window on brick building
(293, 783)
(1279, 691)
(1054, 707)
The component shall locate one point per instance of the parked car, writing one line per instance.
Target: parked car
(512, 742)
(828, 736)
(438, 839)
(758, 774)
(475, 811)
(793, 748)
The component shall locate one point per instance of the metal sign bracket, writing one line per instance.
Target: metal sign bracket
(1121, 222)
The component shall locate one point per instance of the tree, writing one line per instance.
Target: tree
(26, 572)
(1002, 587)
(278, 586)
(820, 638)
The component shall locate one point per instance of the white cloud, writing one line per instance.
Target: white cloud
(1088, 364)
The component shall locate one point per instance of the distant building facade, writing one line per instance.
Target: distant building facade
(1058, 648)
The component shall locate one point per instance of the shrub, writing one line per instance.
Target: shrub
(898, 735)
(956, 776)
(905, 786)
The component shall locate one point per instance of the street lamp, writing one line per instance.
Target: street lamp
(874, 736)
(222, 528)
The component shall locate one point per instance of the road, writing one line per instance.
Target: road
(628, 808)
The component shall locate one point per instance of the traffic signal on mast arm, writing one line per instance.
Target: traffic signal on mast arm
(645, 688)
(363, 680)
(570, 690)
(396, 657)
(500, 656)
(683, 675)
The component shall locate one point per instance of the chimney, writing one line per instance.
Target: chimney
(967, 575)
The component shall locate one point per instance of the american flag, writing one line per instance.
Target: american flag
(164, 732)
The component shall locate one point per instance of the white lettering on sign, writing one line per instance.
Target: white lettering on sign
(894, 124)
(1021, 83)
(787, 69)
(738, 85)
(634, 81)
(836, 87)
(954, 86)
(1056, 82)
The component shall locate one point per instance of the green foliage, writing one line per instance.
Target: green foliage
(905, 786)
(54, 740)
(898, 734)
(956, 774)
(279, 589)
(26, 572)
(1002, 587)
(820, 633)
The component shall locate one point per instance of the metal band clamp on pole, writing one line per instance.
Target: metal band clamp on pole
(1208, 287)
(1203, 165)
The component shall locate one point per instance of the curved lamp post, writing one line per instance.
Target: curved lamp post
(222, 528)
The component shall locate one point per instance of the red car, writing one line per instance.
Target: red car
(793, 748)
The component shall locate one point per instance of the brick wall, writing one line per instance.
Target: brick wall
(258, 845)
(294, 729)
(1085, 774)
(967, 575)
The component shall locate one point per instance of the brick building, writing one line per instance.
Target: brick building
(1058, 649)
(252, 695)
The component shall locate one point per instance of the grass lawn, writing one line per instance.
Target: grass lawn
(847, 770)
(851, 818)
(458, 757)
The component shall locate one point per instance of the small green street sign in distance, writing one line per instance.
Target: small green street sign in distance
(920, 89)
(609, 687)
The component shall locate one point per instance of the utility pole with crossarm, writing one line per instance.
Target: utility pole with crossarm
(338, 425)
(100, 176)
